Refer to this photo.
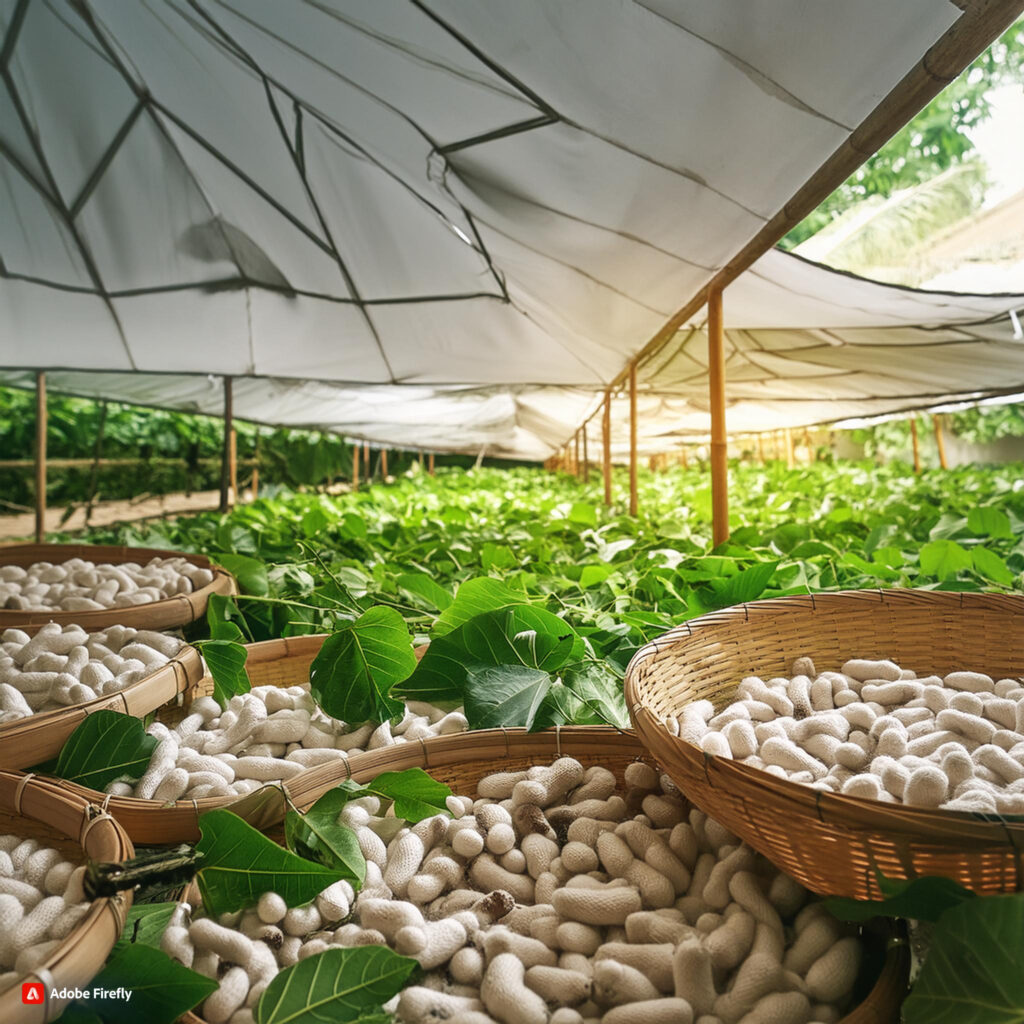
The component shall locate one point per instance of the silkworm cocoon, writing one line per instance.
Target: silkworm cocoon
(36, 924)
(830, 978)
(579, 858)
(607, 906)
(576, 937)
(420, 1003)
(175, 942)
(558, 986)
(823, 747)
(734, 712)
(334, 902)
(891, 694)
(822, 695)
(972, 726)
(488, 815)
(715, 744)
(973, 682)
(499, 785)
(999, 761)
(664, 811)
(531, 952)
(666, 1010)
(648, 926)
(682, 842)
(716, 890)
(38, 864)
(615, 984)
(863, 670)
(969, 703)
(741, 738)
(731, 941)
(56, 881)
(892, 742)
(693, 720)
(786, 754)
(467, 842)
(500, 838)
(467, 966)
(539, 852)
(229, 997)
(798, 690)
(505, 995)
(745, 890)
(228, 944)
(652, 849)
(779, 1008)
(436, 943)
(640, 775)
(597, 784)
(926, 787)
(557, 780)
(172, 787)
(816, 934)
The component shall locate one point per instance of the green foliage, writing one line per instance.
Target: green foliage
(317, 836)
(237, 865)
(337, 985)
(105, 746)
(226, 661)
(924, 899)
(413, 792)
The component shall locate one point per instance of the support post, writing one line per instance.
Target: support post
(586, 457)
(355, 466)
(97, 455)
(430, 463)
(255, 482)
(633, 503)
(576, 465)
(719, 441)
(383, 463)
(40, 456)
(790, 456)
(367, 471)
(808, 445)
(606, 445)
(233, 466)
(760, 448)
(225, 465)
(684, 457)
(914, 444)
(940, 440)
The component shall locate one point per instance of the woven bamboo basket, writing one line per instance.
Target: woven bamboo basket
(34, 808)
(283, 663)
(37, 738)
(171, 613)
(460, 761)
(833, 843)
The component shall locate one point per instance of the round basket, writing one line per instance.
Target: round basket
(283, 663)
(460, 761)
(170, 613)
(832, 843)
(37, 738)
(34, 808)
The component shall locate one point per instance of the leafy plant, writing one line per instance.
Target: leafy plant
(103, 747)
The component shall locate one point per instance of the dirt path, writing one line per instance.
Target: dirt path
(106, 513)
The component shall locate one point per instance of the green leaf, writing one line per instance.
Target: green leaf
(990, 522)
(105, 746)
(161, 988)
(422, 586)
(226, 661)
(146, 923)
(474, 597)
(357, 666)
(593, 575)
(972, 973)
(337, 985)
(944, 559)
(497, 556)
(239, 864)
(991, 566)
(317, 835)
(505, 695)
(251, 573)
(925, 899)
(582, 513)
(415, 794)
(747, 585)
(600, 690)
(223, 618)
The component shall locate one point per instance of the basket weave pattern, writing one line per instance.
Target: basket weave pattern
(832, 843)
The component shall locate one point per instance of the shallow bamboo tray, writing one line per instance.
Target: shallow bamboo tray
(833, 843)
(33, 807)
(170, 613)
(461, 760)
(37, 738)
(283, 663)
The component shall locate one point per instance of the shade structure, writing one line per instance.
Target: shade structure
(410, 191)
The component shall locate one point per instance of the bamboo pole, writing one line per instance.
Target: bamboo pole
(40, 456)
(914, 443)
(384, 463)
(606, 446)
(719, 441)
(225, 466)
(367, 471)
(940, 440)
(430, 463)
(233, 466)
(97, 455)
(633, 503)
(760, 448)
(586, 457)
(576, 455)
(255, 482)
(808, 445)
(355, 465)
(684, 457)
(790, 455)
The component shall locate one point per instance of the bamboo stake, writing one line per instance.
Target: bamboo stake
(719, 441)
(913, 441)
(940, 440)
(684, 457)
(355, 465)
(384, 463)
(576, 455)
(808, 445)
(255, 482)
(760, 448)
(40, 455)
(97, 454)
(606, 444)
(633, 503)
(586, 457)
(367, 472)
(233, 466)
(430, 464)
(790, 455)
(421, 458)
(225, 465)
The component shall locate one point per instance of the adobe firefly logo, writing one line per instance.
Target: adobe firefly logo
(32, 993)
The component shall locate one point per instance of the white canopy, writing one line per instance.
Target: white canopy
(465, 216)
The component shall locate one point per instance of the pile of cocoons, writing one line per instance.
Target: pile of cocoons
(65, 665)
(265, 736)
(878, 731)
(552, 898)
(41, 903)
(78, 585)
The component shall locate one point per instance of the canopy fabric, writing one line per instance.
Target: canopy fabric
(431, 192)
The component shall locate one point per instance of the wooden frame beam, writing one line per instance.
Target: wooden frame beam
(633, 501)
(719, 440)
(225, 468)
(914, 444)
(40, 456)
(940, 441)
(606, 447)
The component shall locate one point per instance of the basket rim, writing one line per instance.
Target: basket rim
(172, 612)
(827, 806)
